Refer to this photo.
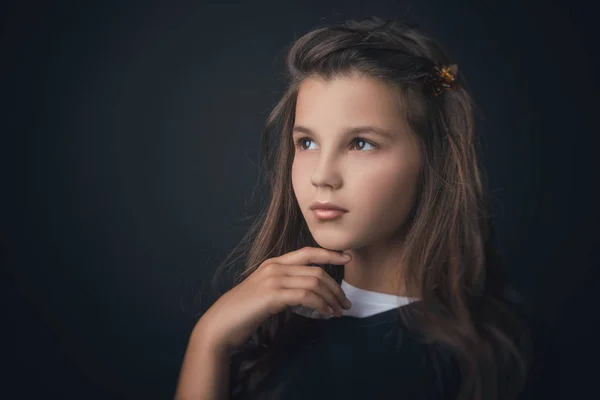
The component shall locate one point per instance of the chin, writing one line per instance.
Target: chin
(332, 243)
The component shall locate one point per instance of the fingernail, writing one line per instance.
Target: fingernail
(346, 256)
(347, 303)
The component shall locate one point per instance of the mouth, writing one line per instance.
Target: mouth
(328, 214)
(326, 205)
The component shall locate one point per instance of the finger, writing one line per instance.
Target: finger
(313, 255)
(327, 279)
(314, 284)
(308, 298)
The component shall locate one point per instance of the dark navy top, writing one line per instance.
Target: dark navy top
(369, 353)
(372, 357)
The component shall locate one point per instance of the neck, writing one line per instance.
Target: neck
(376, 268)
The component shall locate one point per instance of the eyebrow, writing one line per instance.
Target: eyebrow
(353, 130)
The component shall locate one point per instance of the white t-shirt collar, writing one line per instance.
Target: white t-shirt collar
(364, 303)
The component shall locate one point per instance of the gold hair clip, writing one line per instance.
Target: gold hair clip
(443, 78)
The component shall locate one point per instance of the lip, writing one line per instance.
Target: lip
(318, 205)
(326, 215)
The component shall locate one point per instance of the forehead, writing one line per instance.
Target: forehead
(348, 100)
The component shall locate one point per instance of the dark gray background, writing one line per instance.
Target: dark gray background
(130, 152)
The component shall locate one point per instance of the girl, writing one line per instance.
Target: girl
(372, 273)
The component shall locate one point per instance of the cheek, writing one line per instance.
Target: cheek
(386, 189)
(297, 181)
(385, 177)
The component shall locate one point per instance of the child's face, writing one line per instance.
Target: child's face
(375, 184)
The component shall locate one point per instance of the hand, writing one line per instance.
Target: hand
(278, 283)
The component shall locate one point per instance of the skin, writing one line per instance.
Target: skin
(372, 176)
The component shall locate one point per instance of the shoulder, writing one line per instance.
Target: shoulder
(444, 373)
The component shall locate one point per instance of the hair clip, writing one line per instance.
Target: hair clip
(442, 78)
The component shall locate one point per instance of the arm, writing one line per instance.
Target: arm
(205, 371)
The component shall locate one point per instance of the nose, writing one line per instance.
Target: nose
(326, 173)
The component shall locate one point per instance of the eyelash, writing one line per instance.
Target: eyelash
(298, 142)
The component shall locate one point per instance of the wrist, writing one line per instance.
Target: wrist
(209, 341)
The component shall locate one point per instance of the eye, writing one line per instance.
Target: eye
(299, 143)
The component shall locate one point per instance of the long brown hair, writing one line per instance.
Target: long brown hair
(450, 259)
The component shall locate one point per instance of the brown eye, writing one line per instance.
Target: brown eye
(358, 139)
(299, 143)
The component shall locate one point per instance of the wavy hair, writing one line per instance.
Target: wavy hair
(450, 258)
